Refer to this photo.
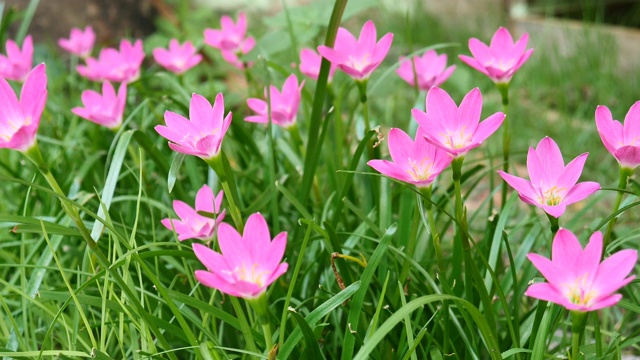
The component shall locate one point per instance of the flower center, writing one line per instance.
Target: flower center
(252, 274)
(579, 292)
(420, 170)
(456, 140)
(552, 197)
(12, 127)
(359, 63)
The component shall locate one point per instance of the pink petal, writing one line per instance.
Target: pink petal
(555, 210)
(613, 270)
(550, 270)
(473, 63)
(632, 125)
(487, 127)
(200, 112)
(502, 42)
(390, 169)
(216, 282)
(382, 49)
(367, 41)
(628, 156)
(441, 108)
(204, 199)
(256, 236)
(566, 249)
(468, 114)
(571, 172)
(522, 186)
(580, 191)
(480, 52)
(589, 260)
(606, 302)
(550, 158)
(546, 292)
(271, 256)
(232, 246)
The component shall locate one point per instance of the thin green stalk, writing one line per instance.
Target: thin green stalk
(553, 225)
(362, 88)
(506, 136)
(294, 278)
(578, 323)
(313, 144)
(433, 231)
(596, 333)
(261, 306)
(622, 184)
(461, 228)
(411, 241)
(232, 197)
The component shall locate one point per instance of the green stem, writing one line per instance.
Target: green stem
(506, 136)
(296, 138)
(294, 279)
(362, 88)
(622, 184)
(232, 197)
(461, 227)
(578, 322)
(261, 307)
(433, 231)
(554, 226)
(313, 144)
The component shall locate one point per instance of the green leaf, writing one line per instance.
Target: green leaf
(313, 351)
(316, 315)
(176, 163)
(356, 305)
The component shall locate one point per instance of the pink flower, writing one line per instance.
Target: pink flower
(576, 279)
(414, 162)
(310, 64)
(179, 58)
(202, 136)
(193, 225)
(430, 69)
(114, 65)
(284, 106)
(358, 58)
(552, 186)
(19, 120)
(106, 109)
(501, 59)
(248, 263)
(231, 39)
(79, 43)
(456, 130)
(17, 64)
(622, 141)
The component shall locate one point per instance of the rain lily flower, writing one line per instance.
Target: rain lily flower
(501, 59)
(576, 279)
(552, 186)
(114, 65)
(248, 263)
(310, 64)
(179, 58)
(231, 39)
(358, 58)
(104, 109)
(17, 64)
(80, 42)
(622, 141)
(202, 136)
(415, 162)
(456, 130)
(430, 70)
(284, 105)
(19, 120)
(193, 225)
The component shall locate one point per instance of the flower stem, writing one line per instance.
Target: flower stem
(433, 231)
(506, 136)
(554, 226)
(622, 184)
(260, 306)
(232, 197)
(578, 322)
(362, 88)
(34, 154)
(461, 228)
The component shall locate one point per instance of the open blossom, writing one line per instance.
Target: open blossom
(576, 279)
(231, 39)
(310, 64)
(456, 130)
(193, 225)
(18, 62)
(430, 70)
(415, 162)
(284, 105)
(501, 59)
(622, 141)
(552, 186)
(104, 109)
(80, 42)
(358, 58)
(115, 65)
(201, 135)
(19, 120)
(248, 263)
(178, 58)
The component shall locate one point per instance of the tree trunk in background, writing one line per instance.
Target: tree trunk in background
(110, 19)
